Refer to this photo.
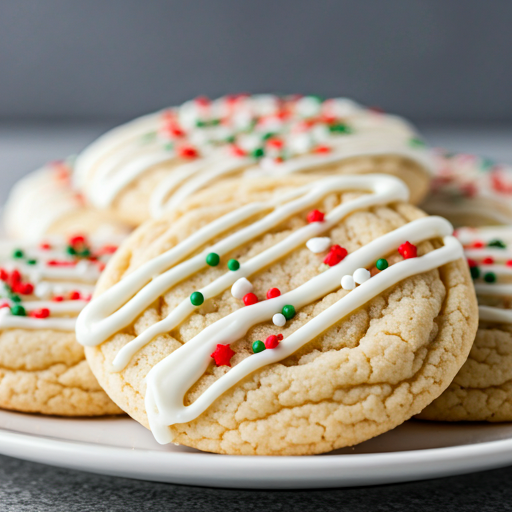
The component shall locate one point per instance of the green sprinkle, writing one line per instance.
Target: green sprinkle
(201, 124)
(31, 262)
(288, 311)
(18, 310)
(268, 135)
(497, 243)
(475, 272)
(18, 254)
(233, 265)
(258, 153)
(148, 137)
(490, 277)
(84, 253)
(382, 264)
(71, 250)
(169, 146)
(196, 298)
(15, 298)
(416, 143)
(212, 259)
(486, 164)
(339, 128)
(230, 139)
(258, 346)
(318, 98)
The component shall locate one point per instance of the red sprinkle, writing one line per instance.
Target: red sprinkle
(275, 143)
(222, 355)
(272, 341)
(336, 254)
(237, 151)
(509, 263)
(26, 289)
(273, 293)
(77, 240)
(40, 313)
(107, 249)
(478, 244)
(250, 299)
(4, 304)
(472, 263)
(15, 277)
(45, 246)
(315, 216)
(488, 261)
(4, 275)
(58, 298)
(322, 149)
(75, 295)
(407, 251)
(187, 152)
(60, 263)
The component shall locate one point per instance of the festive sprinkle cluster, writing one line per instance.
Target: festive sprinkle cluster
(467, 176)
(265, 128)
(475, 266)
(20, 277)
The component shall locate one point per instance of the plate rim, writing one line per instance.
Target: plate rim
(264, 472)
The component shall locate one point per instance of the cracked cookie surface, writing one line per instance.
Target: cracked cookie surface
(364, 375)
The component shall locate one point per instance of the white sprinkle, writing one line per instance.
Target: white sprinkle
(82, 267)
(347, 283)
(59, 290)
(308, 106)
(320, 133)
(361, 275)
(318, 244)
(241, 288)
(279, 319)
(300, 143)
(42, 290)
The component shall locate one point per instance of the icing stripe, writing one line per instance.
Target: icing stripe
(94, 324)
(119, 157)
(182, 368)
(121, 304)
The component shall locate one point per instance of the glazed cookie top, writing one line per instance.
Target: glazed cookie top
(44, 202)
(45, 285)
(218, 278)
(470, 190)
(204, 140)
(490, 260)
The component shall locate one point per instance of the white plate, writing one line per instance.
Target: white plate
(121, 447)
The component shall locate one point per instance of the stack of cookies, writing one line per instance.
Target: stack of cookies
(281, 294)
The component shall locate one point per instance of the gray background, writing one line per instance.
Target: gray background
(432, 60)
(70, 69)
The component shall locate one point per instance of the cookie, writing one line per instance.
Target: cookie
(317, 315)
(470, 190)
(42, 367)
(482, 390)
(150, 165)
(45, 203)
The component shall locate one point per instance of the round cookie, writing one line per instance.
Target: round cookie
(482, 390)
(148, 166)
(44, 203)
(225, 327)
(42, 289)
(470, 190)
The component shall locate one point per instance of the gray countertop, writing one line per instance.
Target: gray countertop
(26, 486)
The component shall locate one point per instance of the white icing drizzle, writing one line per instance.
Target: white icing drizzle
(468, 236)
(119, 157)
(121, 304)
